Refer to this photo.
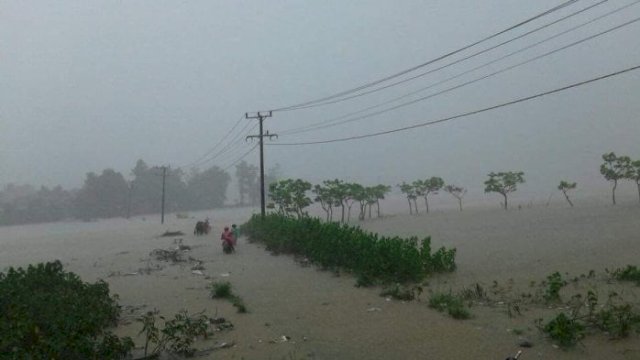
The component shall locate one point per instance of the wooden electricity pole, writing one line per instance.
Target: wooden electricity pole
(261, 116)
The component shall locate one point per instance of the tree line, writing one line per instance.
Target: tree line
(109, 194)
(291, 196)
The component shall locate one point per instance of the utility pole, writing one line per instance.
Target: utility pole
(261, 116)
(164, 176)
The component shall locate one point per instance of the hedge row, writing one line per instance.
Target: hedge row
(332, 245)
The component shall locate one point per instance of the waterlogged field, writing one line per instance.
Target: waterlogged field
(503, 276)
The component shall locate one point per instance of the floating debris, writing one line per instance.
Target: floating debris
(374, 309)
(172, 233)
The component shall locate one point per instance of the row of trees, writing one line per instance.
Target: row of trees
(110, 194)
(430, 186)
(290, 197)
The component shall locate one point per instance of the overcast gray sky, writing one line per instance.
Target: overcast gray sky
(88, 85)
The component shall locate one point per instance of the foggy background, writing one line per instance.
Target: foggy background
(91, 85)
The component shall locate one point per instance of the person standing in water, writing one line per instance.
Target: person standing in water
(227, 241)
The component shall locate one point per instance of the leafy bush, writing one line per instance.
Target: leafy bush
(630, 273)
(454, 305)
(332, 246)
(177, 336)
(567, 331)
(46, 312)
(221, 290)
(554, 284)
(615, 317)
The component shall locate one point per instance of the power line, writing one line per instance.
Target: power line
(342, 99)
(240, 158)
(208, 152)
(403, 72)
(433, 122)
(331, 123)
(231, 144)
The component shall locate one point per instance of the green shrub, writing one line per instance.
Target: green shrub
(630, 273)
(554, 284)
(46, 312)
(452, 304)
(371, 257)
(565, 330)
(221, 290)
(177, 336)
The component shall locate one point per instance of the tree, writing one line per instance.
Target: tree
(102, 196)
(247, 176)
(325, 196)
(426, 187)
(504, 183)
(290, 196)
(565, 186)
(457, 192)
(410, 192)
(379, 192)
(207, 189)
(615, 168)
(634, 174)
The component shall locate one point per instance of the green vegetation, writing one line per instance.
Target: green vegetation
(289, 196)
(630, 273)
(452, 304)
(554, 283)
(47, 313)
(222, 290)
(370, 256)
(457, 192)
(615, 318)
(614, 169)
(504, 183)
(567, 331)
(565, 186)
(177, 335)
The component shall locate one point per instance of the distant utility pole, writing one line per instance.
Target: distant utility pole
(261, 116)
(164, 176)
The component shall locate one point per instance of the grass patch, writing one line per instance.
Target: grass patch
(452, 304)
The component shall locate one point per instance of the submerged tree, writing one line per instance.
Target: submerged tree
(615, 168)
(634, 174)
(427, 187)
(456, 191)
(565, 186)
(504, 183)
(248, 185)
(378, 193)
(410, 192)
(325, 198)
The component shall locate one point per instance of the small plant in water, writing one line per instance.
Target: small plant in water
(222, 290)
(453, 304)
(554, 284)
